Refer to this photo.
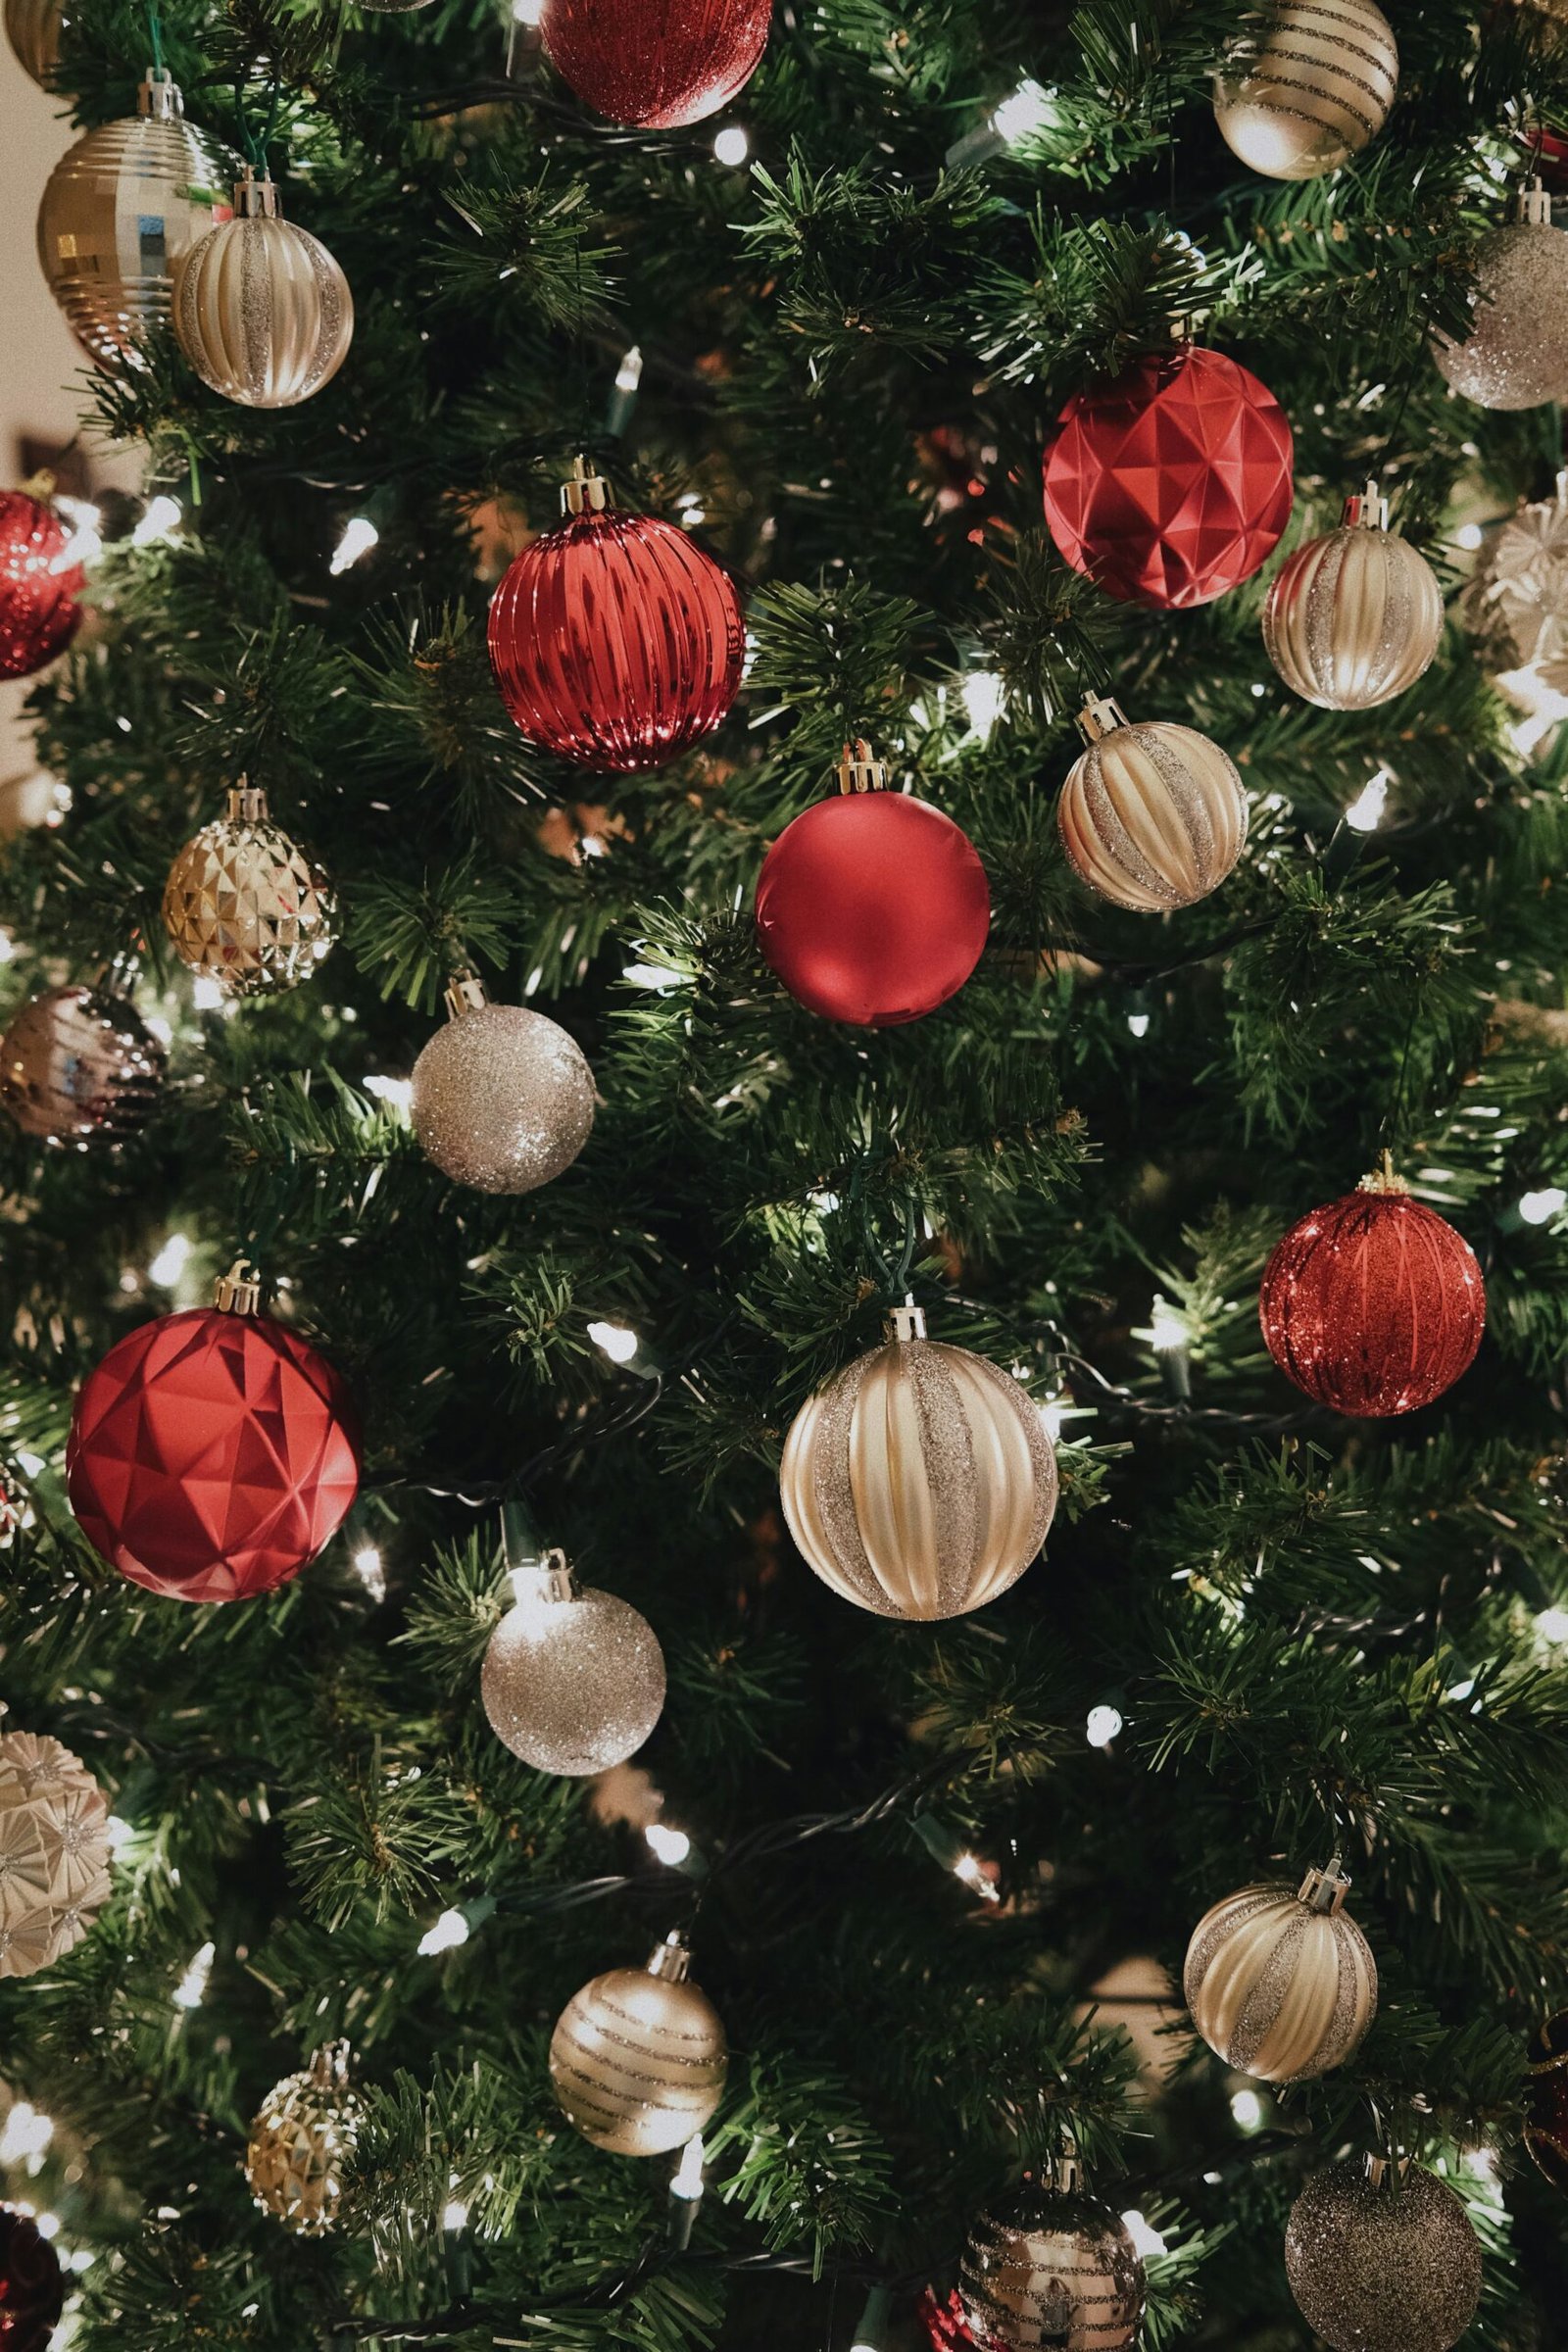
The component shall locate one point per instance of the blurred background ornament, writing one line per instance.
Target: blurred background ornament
(503, 1097)
(1381, 2257)
(1354, 617)
(29, 798)
(1546, 2100)
(638, 2057)
(261, 310)
(1516, 607)
(33, 2292)
(33, 28)
(79, 1066)
(573, 1678)
(245, 905)
(1516, 353)
(40, 580)
(1053, 2265)
(655, 68)
(1151, 815)
(54, 1853)
(302, 2143)
(1281, 1982)
(1306, 85)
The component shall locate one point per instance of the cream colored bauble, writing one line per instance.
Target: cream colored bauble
(54, 1853)
(1516, 353)
(1282, 1983)
(1354, 617)
(262, 312)
(1153, 816)
(638, 2057)
(1307, 90)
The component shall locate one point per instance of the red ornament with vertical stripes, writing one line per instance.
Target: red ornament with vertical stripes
(655, 65)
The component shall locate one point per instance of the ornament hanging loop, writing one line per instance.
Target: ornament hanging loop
(860, 770)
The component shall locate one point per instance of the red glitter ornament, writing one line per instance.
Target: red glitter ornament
(39, 585)
(943, 2323)
(614, 640)
(1373, 1305)
(213, 1452)
(872, 907)
(655, 65)
(1546, 2100)
(32, 2290)
(1171, 485)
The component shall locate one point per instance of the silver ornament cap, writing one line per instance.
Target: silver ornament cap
(503, 1097)
(1516, 353)
(573, 1680)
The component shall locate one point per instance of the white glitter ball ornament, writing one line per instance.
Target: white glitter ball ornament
(261, 310)
(1152, 815)
(1355, 616)
(54, 1853)
(1383, 2258)
(1516, 354)
(573, 1680)
(503, 1097)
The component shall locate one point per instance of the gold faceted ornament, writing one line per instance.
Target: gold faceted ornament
(1281, 1982)
(503, 1097)
(1354, 617)
(1053, 2267)
(54, 1853)
(1152, 815)
(245, 905)
(638, 2057)
(920, 1482)
(80, 1066)
(1516, 353)
(1306, 87)
(262, 312)
(33, 28)
(1517, 606)
(1382, 2257)
(302, 2143)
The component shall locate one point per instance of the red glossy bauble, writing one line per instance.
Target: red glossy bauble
(1373, 1305)
(39, 585)
(1171, 485)
(211, 1455)
(655, 65)
(32, 2290)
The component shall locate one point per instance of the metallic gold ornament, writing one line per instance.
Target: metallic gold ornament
(1517, 606)
(503, 1097)
(638, 2058)
(262, 312)
(920, 1482)
(1382, 2258)
(302, 2143)
(54, 1853)
(246, 905)
(1354, 617)
(33, 28)
(1282, 1984)
(1152, 815)
(1516, 354)
(121, 210)
(79, 1066)
(1053, 2267)
(573, 1679)
(1307, 90)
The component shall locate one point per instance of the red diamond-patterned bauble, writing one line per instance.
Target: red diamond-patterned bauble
(211, 1455)
(39, 585)
(1547, 2100)
(655, 65)
(31, 2290)
(1373, 1305)
(1173, 484)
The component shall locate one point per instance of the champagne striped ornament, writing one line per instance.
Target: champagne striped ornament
(1054, 2267)
(1153, 816)
(1308, 87)
(262, 312)
(1281, 1984)
(1354, 617)
(638, 2057)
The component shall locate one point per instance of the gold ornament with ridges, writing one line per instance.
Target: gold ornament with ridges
(1516, 604)
(1354, 618)
(1516, 353)
(302, 2141)
(573, 1679)
(245, 905)
(1308, 87)
(1282, 1983)
(1054, 2267)
(1152, 815)
(262, 312)
(80, 1066)
(1383, 2258)
(638, 2057)
(503, 1097)
(33, 28)
(54, 1853)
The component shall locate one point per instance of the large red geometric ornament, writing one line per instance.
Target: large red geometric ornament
(655, 65)
(31, 2290)
(39, 585)
(1171, 485)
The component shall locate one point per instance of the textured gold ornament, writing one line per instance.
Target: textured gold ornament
(920, 1482)
(1517, 606)
(262, 312)
(1309, 88)
(1054, 2267)
(54, 1853)
(33, 28)
(80, 1066)
(638, 2057)
(1354, 617)
(503, 1097)
(302, 2141)
(121, 210)
(1383, 2258)
(247, 906)
(573, 1679)
(1282, 1983)
(1516, 354)
(1152, 815)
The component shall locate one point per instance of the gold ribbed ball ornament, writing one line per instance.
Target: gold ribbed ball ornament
(638, 2058)
(1516, 353)
(80, 1066)
(1281, 1982)
(503, 1097)
(302, 2141)
(920, 1482)
(573, 1679)
(1055, 2266)
(33, 28)
(245, 905)
(1354, 617)
(1307, 86)
(1153, 814)
(1381, 2257)
(262, 312)
(54, 1850)
(121, 210)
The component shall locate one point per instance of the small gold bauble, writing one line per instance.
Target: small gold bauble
(1152, 815)
(1354, 617)
(1309, 88)
(1516, 353)
(33, 28)
(245, 905)
(1053, 2268)
(301, 2142)
(1282, 1984)
(638, 2057)
(54, 1853)
(573, 1679)
(503, 1097)
(80, 1066)
(1383, 2258)
(262, 312)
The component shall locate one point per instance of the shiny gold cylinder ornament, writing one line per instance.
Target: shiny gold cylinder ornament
(1308, 88)
(920, 1482)
(503, 1097)
(80, 1066)
(1281, 1982)
(245, 905)
(1153, 816)
(302, 2143)
(33, 28)
(1382, 2257)
(638, 2057)
(1354, 617)
(1055, 2266)
(262, 312)
(1516, 353)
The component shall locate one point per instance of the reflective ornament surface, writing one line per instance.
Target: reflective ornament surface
(1308, 85)
(80, 1066)
(573, 1679)
(1546, 2100)
(1280, 1980)
(261, 310)
(1516, 354)
(33, 28)
(503, 1097)
(1516, 604)
(655, 65)
(39, 584)
(1055, 2267)
(302, 2141)
(54, 1853)
(246, 905)
(1354, 617)
(638, 2057)
(31, 2288)
(1383, 2261)
(1152, 815)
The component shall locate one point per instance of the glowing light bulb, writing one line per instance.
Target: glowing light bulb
(454, 2214)
(1247, 2109)
(527, 12)
(629, 374)
(370, 1571)
(1167, 1329)
(1145, 2237)
(360, 536)
(1024, 114)
(972, 1871)
(171, 1262)
(1103, 1726)
(450, 1930)
(1552, 1627)
(670, 1845)
(26, 2134)
(1366, 813)
(119, 1833)
(396, 1093)
(84, 542)
(617, 1342)
(688, 2175)
(160, 519)
(1539, 1209)
(731, 146)
(1138, 1023)
(983, 698)
(192, 1986)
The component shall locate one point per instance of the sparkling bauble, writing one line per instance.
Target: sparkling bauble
(1281, 1982)
(1516, 604)
(638, 2057)
(1516, 354)
(616, 642)
(1053, 2267)
(302, 2143)
(1307, 86)
(920, 1482)
(262, 312)
(1373, 1305)
(121, 210)
(1354, 617)
(39, 584)
(79, 1066)
(246, 905)
(33, 2292)
(1546, 2100)
(1380, 2262)
(1152, 815)
(1173, 484)
(54, 1855)
(656, 68)
(872, 907)
(503, 1097)
(213, 1452)
(573, 1679)
(33, 28)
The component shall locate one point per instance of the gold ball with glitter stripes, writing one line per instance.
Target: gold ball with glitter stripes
(1054, 2267)
(1153, 816)
(262, 310)
(1354, 617)
(638, 2058)
(1308, 87)
(1281, 1982)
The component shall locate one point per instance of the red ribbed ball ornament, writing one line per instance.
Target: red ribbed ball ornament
(655, 65)
(213, 1452)
(1374, 1304)
(872, 907)
(31, 2290)
(1173, 484)
(39, 585)
(617, 643)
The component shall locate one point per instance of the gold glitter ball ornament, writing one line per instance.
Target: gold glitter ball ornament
(1354, 617)
(1308, 87)
(1053, 2267)
(80, 1066)
(247, 906)
(33, 28)
(1152, 815)
(262, 312)
(503, 1097)
(54, 1853)
(573, 1679)
(1382, 2258)
(1281, 1982)
(638, 2058)
(302, 2143)
(1516, 354)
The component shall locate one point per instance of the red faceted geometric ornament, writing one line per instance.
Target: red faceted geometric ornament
(655, 65)
(213, 1452)
(1171, 485)
(32, 2290)
(39, 585)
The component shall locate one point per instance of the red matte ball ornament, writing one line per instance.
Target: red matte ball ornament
(655, 65)
(32, 2290)
(614, 640)
(872, 907)
(1374, 1304)
(1173, 484)
(39, 585)
(213, 1452)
